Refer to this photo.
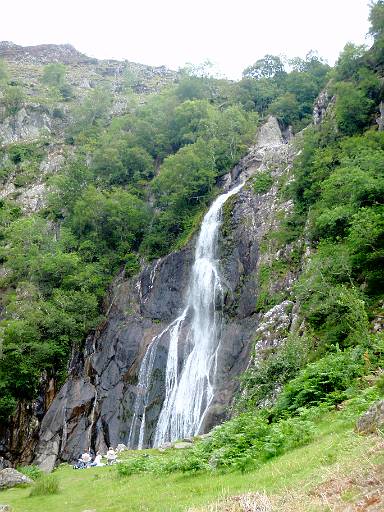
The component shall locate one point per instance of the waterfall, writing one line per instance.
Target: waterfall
(189, 386)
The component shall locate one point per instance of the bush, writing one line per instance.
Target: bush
(238, 444)
(262, 182)
(13, 99)
(32, 471)
(325, 380)
(133, 465)
(353, 109)
(260, 381)
(44, 486)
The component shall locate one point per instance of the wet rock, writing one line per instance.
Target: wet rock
(373, 420)
(10, 477)
(95, 406)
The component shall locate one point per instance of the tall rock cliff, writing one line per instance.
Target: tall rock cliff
(95, 405)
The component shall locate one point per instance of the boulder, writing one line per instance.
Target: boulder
(5, 508)
(373, 420)
(121, 447)
(206, 436)
(165, 446)
(4, 463)
(9, 477)
(182, 445)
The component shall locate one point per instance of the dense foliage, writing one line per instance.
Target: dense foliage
(134, 185)
(269, 88)
(338, 195)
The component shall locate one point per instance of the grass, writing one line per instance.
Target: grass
(336, 449)
(45, 485)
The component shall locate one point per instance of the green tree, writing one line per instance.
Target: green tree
(114, 221)
(376, 18)
(353, 109)
(54, 75)
(257, 94)
(92, 113)
(349, 61)
(186, 177)
(267, 67)
(285, 108)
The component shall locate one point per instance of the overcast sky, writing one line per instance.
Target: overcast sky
(231, 33)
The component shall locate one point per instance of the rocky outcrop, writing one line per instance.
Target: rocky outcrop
(94, 408)
(320, 107)
(85, 72)
(10, 478)
(43, 54)
(4, 463)
(373, 420)
(32, 197)
(380, 119)
(28, 124)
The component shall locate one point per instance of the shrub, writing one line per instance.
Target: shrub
(353, 109)
(13, 99)
(133, 465)
(260, 381)
(32, 471)
(262, 182)
(44, 486)
(325, 380)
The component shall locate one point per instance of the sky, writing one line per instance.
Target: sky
(232, 34)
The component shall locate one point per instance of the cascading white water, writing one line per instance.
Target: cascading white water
(189, 391)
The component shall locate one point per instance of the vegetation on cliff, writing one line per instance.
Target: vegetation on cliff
(338, 219)
(134, 185)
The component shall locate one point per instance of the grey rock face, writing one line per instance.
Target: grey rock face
(274, 326)
(95, 406)
(4, 463)
(42, 54)
(320, 107)
(380, 119)
(26, 125)
(10, 477)
(373, 420)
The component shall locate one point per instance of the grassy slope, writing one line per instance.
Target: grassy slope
(336, 450)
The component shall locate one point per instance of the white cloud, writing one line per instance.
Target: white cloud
(233, 34)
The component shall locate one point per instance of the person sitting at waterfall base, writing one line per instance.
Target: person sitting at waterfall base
(97, 462)
(86, 458)
(111, 456)
(84, 461)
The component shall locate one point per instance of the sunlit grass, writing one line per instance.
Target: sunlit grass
(335, 448)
